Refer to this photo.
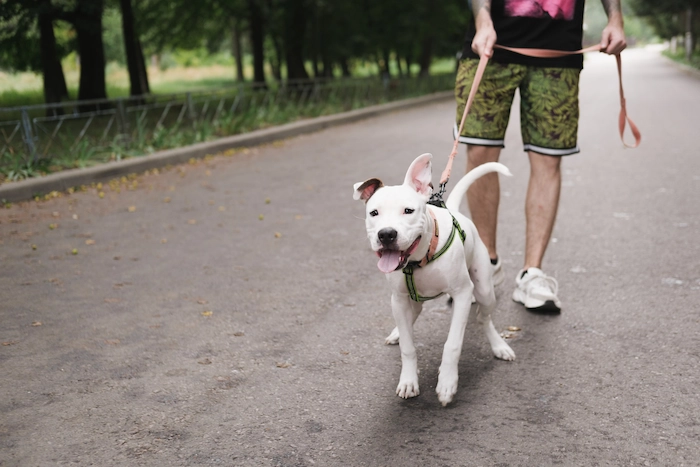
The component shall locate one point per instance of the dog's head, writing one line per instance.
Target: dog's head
(395, 215)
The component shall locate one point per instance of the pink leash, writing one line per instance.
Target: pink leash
(539, 53)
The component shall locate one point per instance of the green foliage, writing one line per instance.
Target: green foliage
(14, 167)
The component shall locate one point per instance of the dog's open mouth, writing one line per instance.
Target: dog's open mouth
(392, 260)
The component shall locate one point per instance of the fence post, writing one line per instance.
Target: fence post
(190, 107)
(28, 134)
(122, 121)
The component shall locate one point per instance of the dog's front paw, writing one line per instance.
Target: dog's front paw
(446, 387)
(393, 338)
(407, 389)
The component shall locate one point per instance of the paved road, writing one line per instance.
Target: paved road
(230, 312)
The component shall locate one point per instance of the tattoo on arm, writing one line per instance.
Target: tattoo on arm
(477, 5)
(612, 7)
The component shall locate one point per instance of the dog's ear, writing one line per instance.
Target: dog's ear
(365, 190)
(420, 174)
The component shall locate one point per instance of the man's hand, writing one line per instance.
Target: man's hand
(485, 37)
(613, 39)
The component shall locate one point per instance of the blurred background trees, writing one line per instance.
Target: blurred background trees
(263, 39)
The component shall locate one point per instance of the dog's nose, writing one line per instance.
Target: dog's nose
(387, 236)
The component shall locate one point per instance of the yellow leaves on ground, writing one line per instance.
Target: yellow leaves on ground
(511, 332)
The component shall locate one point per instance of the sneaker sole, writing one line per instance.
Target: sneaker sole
(548, 308)
(544, 307)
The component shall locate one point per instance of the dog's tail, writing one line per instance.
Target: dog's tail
(458, 192)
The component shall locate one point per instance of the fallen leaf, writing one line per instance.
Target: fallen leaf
(101, 194)
(513, 328)
(192, 221)
(89, 242)
(53, 226)
(239, 333)
(34, 246)
(9, 343)
(261, 217)
(278, 235)
(36, 323)
(207, 313)
(132, 208)
(74, 251)
(267, 201)
(283, 365)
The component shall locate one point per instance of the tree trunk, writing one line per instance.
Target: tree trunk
(256, 38)
(276, 64)
(236, 43)
(345, 67)
(142, 65)
(426, 55)
(134, 60)
(689, 34)
(386, 72)
(54, 80)
(294, 32)
(88, 27)
(398, 65)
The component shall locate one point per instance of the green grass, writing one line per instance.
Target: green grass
(20, 89)
(679, 57)
(103, 141)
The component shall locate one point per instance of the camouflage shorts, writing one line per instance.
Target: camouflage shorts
(548, 106)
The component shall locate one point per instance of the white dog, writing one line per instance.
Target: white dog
(426, 251)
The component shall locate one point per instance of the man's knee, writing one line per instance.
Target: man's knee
(544, 163)
(477, 155)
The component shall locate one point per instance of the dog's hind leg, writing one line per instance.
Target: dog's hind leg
(486, 302)
(406, 312)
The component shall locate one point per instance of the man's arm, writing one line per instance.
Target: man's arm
(485, 36)
(613, 39)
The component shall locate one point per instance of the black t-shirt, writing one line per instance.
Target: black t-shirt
(540, 24)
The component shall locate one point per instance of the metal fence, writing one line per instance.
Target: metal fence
(71, 133)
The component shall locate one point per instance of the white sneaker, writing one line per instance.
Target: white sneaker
(537, 291)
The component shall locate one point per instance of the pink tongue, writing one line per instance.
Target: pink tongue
(389, 261)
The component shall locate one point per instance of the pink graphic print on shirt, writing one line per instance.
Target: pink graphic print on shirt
(555, 9)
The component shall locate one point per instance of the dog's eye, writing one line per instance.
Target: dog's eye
(408, 211)
(374, 213)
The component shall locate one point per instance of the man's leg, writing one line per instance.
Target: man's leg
(541, 206)
(484, 195)
(533, 288)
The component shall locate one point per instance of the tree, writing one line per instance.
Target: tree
(138, 77)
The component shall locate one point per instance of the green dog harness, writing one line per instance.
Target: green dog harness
(429, 257)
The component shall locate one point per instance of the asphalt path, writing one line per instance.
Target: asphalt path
(230, 312)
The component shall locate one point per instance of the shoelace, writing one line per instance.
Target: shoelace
(541, 280)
